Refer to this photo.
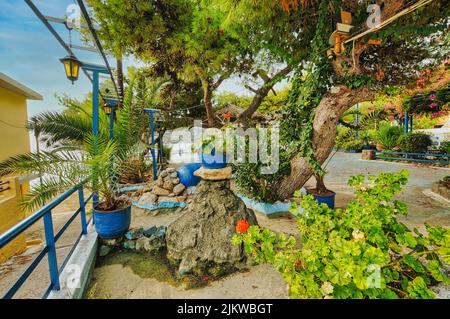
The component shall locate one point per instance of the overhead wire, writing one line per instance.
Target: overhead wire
(97, 43)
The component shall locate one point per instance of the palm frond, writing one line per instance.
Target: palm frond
(36, 163)
(41, 194)
(59, 127)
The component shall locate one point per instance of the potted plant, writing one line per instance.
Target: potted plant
(97, 163)
(353, 146)
(213, 156)
(388, 136)
(321, 193)
(112, 215)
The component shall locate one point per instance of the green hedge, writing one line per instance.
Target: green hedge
(415, 142)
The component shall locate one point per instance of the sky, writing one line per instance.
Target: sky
(30, 54)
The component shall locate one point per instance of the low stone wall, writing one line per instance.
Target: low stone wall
(368, 154)
(75, 276)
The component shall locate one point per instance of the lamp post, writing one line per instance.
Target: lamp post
(152, 113)
(72, 66)
(109, 108)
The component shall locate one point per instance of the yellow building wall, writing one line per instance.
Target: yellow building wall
(14, 140)
(10, 215)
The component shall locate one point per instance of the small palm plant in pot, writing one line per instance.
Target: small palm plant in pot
(97, 164)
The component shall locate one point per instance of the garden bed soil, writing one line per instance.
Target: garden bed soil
(315, 192)
(103, 208)
(118, 281)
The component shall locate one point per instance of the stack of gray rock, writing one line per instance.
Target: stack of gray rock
(199, 241)
(150, 240)
(166, 189)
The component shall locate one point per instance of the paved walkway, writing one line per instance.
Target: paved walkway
(39, 280)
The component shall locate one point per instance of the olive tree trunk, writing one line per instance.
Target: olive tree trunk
(207, 100)
(328, 112)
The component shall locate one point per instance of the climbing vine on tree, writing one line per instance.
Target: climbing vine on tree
(308, 87)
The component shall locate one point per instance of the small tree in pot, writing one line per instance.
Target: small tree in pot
(321, 193)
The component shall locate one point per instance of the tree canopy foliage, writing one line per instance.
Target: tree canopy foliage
(207, 41)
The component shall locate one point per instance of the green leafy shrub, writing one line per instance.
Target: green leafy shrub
(388, 136)
(415, 142)
(444, 148)
(359, 252)
(252, 183)
(354, 144)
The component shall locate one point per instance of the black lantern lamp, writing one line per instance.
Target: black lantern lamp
(72, 67)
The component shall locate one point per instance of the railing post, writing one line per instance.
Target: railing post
(95, 121)
(152, 134)
(82, 210)
(50, 240)
(406, 124)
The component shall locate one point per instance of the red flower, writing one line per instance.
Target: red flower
(242, 226)
(227, 115)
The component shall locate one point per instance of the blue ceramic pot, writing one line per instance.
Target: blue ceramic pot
(326, 199)
(186, 174)
(112, 224)
(215, 160)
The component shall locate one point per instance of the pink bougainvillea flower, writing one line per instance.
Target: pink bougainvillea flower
(242, 226)
(432, 96)
(433, 105)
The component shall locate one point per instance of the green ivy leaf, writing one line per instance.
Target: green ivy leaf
(412, 262)
(418, 289)
(434, 267)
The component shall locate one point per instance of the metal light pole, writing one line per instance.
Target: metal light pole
(152, 113)
(110, 108)
(406, 123)
(96, 71)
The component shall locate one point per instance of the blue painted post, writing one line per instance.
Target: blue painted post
(160, 148)
(152, 132)
(111, 123)
(95, 128)
(405, 124)
(82, 210)
(50, 241)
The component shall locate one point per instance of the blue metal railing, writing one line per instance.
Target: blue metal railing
(50, 238)
(443, 159)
